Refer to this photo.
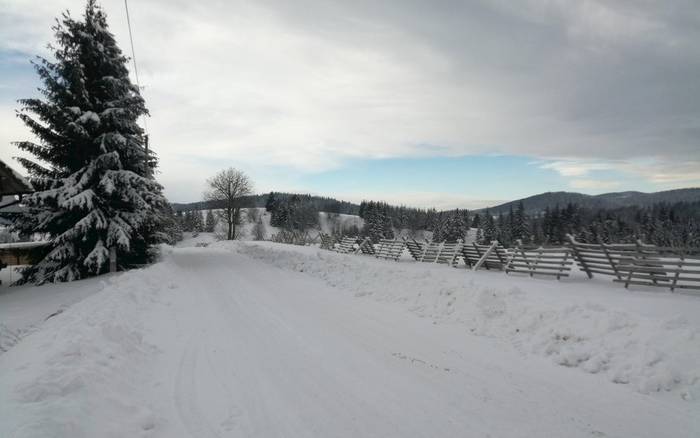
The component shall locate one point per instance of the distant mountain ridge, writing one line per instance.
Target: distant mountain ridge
(533, 204)
(538, 203)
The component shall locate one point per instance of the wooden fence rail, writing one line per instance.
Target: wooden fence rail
(604, 259)
(415, 248)
(327, 241)
(491, 257)
(347, 245)
(628, 263)
(390, 249)
(539, 261)
(366, 246)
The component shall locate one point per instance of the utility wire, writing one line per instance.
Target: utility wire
(133, 58)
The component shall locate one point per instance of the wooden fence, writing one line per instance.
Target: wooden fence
(491, 257)
(539, 261)
(629, 263)
(390, 249)
(347, 245)
(327, 241)
(415, 248)
(604, 259)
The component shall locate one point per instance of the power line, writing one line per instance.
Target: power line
(147, 166)
(133, 58)
(131, 39)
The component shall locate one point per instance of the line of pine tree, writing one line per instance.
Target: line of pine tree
(661, 224)
(378, 224)
(292, 212)
(450, 226)
(90, 168)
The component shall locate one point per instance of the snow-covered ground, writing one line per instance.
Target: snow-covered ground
(329, 223)
(263, 339)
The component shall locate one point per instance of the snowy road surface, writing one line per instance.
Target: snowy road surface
(217, 342)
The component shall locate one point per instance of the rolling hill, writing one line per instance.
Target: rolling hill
(537, 203)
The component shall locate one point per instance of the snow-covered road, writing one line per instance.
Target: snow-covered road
(213, 343)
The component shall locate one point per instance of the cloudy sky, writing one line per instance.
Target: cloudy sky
(441, 103)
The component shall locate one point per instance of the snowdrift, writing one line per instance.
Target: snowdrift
(577, 324)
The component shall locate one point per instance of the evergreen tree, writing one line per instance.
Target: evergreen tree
(479, 235)
(437, 226)
(502, 231)
(197, 222)
(387, 224)
(271, 203)
(454, 227)
(490, 231)
(170, 226)
(91, 170)
(189, 221)
(210, 223)
(476, 223)
(520, 226)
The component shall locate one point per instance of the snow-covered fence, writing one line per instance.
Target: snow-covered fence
(415, 248)
(431, 251)
(603, 258)
(293, 237)
(435, 252)
(347, 245)
(636, 263)
(675, 268)
(327, 241)
(486, 256)
(390, 249)
(539, 261)
(449, 253)
(366, 246)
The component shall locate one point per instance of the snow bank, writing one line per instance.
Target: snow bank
(24, 309)
(8, 337)
(650, 354)
(82, 380)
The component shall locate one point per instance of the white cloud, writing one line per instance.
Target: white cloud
(437, 200)
(309, 84)
(667, 173)
(594, 184)
(576, 168)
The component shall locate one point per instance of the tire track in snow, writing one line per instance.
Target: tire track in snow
(186, 394)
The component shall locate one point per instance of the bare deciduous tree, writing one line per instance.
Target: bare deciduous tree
(226, 189)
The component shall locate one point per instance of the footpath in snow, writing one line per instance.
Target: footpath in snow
(261, 339)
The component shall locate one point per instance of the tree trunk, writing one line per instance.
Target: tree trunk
(236, 212)
(230, 230)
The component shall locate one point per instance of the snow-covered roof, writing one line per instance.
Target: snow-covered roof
(25, 245)
(11, 182)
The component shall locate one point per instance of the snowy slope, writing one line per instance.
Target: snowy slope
(327, 223)
(336, 223)
(261, 339)
(23, 309)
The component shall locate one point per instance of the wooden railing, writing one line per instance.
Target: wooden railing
(539, 261)
(390, 249)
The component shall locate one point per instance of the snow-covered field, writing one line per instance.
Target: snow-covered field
(329, 223)
(262, 339)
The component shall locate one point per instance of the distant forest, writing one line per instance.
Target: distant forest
(318, 203)
(663, 224)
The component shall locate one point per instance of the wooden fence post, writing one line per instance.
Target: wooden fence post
(613, 265)
(578, 256)
(483, 258)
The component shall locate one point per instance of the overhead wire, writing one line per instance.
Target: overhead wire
(133, 58)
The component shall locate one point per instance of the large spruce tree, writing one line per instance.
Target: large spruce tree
(91, 169)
